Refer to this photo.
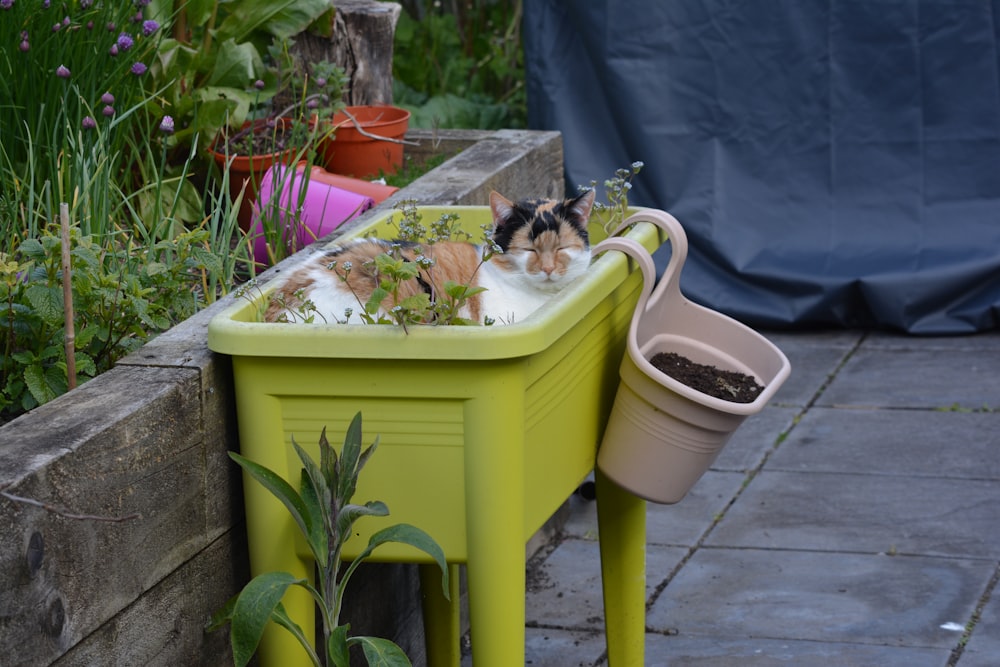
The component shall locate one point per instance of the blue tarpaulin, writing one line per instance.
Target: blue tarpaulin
(834, 162)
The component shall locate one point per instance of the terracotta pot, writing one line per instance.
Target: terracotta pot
(351, 152)
(662, 435)
(291, 211)
(246, 171)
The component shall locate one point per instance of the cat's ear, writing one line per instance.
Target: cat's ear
(502, 208)
(582, 205)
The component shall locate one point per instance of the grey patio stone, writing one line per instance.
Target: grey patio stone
(917, 378)
(865, 513)
(823, 597)
(983, 649)
(755, 438)
(888, 442)
(813, 360)
(565, 591)
(682, 524)
(665, 651)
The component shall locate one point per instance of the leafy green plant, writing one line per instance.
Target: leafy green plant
(440, 304)
(613, 213)
(216, 54)
(461, 64)
(73, 78)
(325, 514)
(122, 294)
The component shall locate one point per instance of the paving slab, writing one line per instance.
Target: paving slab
(865, 513)
(982, 341)
(891, 442)
(917, 377)
(755, 437)
(565, 592)
(552, 647)
(666, 651)
(823, 597)
(813, 360)
(545, 647)
(983, 649)
(680, 524)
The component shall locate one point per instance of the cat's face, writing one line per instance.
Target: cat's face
(543, 241)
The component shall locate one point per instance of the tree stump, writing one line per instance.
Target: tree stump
(361, 36)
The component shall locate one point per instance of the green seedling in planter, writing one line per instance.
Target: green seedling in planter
(612, 214)
(325, 514)
(440, 307)
(447, 298)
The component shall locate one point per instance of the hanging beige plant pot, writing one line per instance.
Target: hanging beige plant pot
(662, 435)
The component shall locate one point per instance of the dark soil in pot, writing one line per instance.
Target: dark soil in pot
(726, 385)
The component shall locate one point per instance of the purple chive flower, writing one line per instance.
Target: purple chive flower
(88, 123)
(312, 104)
(85, 4)
(149, 27)
(107, 98)
(25, 45)
(55, 27)
(62, 72)
(6, 4)
(113, 50)
(138, 69)
(110, 26)
(137, 18)
(45, 4)
(108, 111)
(65, 21)
(167, 125)
(124, 42)
(258, 84)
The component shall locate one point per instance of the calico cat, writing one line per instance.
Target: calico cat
(544, 246)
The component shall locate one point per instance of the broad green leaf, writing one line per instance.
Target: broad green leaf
(47, 302)
(316, 497)
(281, 617)
(337, 648)
(281, 18)
(381, 652)
(403, 533)
(37, 381)
(33, 249)
(236, 66)
(349, 461)
(328, 460)
(417, 303)
(351, 513)
(252, 611)
(219, 619)
(280, 489)
(461, 291)
(375, 300)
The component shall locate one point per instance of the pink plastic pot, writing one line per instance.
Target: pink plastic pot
(324, 207)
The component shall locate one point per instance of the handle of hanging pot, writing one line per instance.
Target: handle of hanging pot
(670, 280)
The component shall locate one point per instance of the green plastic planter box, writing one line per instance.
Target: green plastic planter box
(485, 432)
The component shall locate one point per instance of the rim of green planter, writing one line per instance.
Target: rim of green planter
(236, 331)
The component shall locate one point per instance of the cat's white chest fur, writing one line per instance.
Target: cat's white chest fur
(512, 296)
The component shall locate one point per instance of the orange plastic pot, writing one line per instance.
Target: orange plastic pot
(366, 143)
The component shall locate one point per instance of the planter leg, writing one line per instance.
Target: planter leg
(494, 520)
(442, 620)
(621, 519)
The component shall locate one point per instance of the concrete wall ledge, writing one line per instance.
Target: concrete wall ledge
(144, 449)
